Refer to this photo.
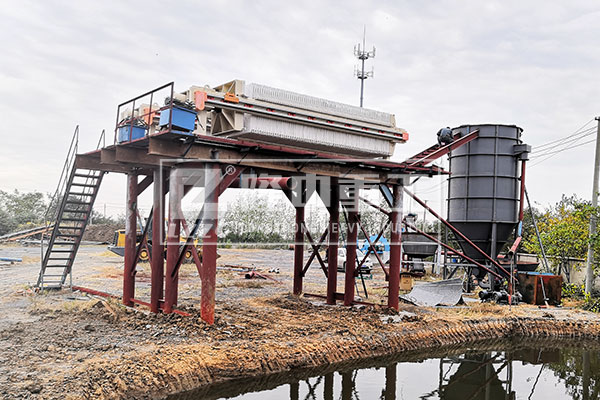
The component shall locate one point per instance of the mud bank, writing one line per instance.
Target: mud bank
(161, 372)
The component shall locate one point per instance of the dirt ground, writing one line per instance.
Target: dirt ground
(70, 345)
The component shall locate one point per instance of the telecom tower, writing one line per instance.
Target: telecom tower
(362, 54)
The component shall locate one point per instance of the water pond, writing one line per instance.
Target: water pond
(487, 371)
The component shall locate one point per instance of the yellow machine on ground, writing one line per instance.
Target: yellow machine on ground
(118, 246)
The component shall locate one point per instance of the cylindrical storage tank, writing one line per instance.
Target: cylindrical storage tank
(483, 189)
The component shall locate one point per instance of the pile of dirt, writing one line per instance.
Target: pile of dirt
(91, 348)
(101, 233)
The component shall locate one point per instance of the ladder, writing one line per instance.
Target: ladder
(72, 202)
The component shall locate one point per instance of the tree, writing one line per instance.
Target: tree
(564, 230)
(18, 209)
(255, 219)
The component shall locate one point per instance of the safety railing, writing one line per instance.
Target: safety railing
(54, 205)
(141, 115)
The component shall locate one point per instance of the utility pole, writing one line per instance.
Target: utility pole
(362, 54)
(589, 267)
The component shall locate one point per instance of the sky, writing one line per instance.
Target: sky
(438, 63)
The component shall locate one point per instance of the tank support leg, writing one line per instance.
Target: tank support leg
(352, 208)
(173, 233)
(130, 240)
(298, 250)
(158, 260)
(332, 250)
(395, 248)
(212, 173)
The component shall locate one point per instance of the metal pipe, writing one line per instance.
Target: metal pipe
(395, 248)
(130, 240)
(158, 261)
(537, 232)
(375, 206)
(456, 231)
(298, 250)
(334, 234)
(282, 183)
(209, 242)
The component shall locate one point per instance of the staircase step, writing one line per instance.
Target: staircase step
(53, 276)
(82, 184)
(64, 243)
(86, 176)
(52, 285)
(62, 251)
(56, 266)
(67, 235)
(74, 219)
(70, 227)
(80, 194)
(75, 211)
(78, 202)
(59, 258)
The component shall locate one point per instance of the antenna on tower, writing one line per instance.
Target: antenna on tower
(362, 54)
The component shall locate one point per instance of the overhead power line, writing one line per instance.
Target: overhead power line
(577, 132)
(552, 154)
(564, 146)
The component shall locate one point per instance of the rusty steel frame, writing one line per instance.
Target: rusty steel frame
(150, 155)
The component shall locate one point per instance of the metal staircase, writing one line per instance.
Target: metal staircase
(70, 211)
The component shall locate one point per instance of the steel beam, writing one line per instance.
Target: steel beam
(130, 240)
(173, 234)
(273, 162)
(158, 248)
(353, 226)
(334, 232)
(209, 242)
(395, 248)
(298, 249)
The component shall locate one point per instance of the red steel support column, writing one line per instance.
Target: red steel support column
(351, 246)
(173, 232)
(298, 250)
(395, 248)
(158, 260)
(130, 240)
(334, 233)
(209, 241)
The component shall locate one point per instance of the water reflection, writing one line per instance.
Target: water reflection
(519, 373)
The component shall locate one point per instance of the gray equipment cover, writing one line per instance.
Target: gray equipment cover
(431, 294)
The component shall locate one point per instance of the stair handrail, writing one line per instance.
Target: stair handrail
(61, 187)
